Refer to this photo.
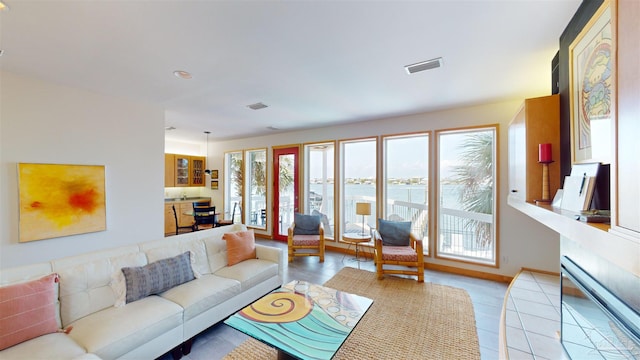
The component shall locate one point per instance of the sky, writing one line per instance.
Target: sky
(406, 158)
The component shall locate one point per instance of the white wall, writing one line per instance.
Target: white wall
(46, 123)
(523, 242)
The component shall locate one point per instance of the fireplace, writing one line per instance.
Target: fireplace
(595, 322)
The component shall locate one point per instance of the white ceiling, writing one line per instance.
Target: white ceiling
(315, 63)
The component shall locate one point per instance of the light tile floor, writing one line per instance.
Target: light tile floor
(487, 296)
(533, 317)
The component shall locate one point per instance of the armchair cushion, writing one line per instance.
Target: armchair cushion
(394, 233)
(306, 224)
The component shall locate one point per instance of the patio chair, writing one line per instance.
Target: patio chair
(395, 247)
(306, 233)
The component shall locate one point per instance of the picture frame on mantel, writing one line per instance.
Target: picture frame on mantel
(591, 73)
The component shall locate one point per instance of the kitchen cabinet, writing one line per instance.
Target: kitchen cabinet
(536, 122)
(169, 170)
(182, 207)
(169, 220)
(197, 164)
(183, 170)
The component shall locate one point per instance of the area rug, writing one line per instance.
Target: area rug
(407, 320)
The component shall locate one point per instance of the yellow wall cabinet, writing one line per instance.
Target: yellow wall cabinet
(183, 170)
(536, 122)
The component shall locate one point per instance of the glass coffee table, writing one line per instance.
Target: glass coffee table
(302, 320)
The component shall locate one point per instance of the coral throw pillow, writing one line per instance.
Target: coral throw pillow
(27, 310)
(241, 245)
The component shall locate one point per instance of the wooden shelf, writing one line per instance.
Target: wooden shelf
(561, 221)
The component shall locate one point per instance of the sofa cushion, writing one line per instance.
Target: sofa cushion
(216, 247)
(28, 310)
(176, 245)
(114, 332)
(51, 346)
(306, 224)
(395, 233)
(250, 272)
(241, 245)
(157, 277)
(85, 287)
(202, 294)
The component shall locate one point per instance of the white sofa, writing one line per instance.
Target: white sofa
(152, 326)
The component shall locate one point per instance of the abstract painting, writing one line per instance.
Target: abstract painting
(60, 200)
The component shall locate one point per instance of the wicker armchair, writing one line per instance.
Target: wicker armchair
(311, 242)
(410, 256)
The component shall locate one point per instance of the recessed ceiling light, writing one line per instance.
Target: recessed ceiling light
(182, 74)
(257, 106)
(424, 65)
(3, 6)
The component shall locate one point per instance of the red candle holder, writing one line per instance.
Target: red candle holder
(545, 158)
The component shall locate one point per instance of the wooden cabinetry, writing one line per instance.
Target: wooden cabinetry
(169, 220)
(197, 164)
(536, 122)
(182, 207)
(169, 170)
(626, 166)
(183, 170)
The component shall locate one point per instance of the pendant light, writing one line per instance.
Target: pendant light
(207, 171)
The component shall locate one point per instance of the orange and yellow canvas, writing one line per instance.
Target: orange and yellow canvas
(60, 200)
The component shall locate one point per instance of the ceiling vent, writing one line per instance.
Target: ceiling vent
(257, 106)
(424, 65)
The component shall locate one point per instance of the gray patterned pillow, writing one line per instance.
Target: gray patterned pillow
(394, 233)
(157, 277)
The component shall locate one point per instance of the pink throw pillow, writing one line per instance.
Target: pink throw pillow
(241, 245)
(27, 310)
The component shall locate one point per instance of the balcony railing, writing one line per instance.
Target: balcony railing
(457, 235)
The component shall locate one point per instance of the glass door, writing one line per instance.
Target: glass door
(285, 189)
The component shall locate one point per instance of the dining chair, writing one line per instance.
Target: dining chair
(191, 227)
(204, 217)
(203, 203)
(231, 221)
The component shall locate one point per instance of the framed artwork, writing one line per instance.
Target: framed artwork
(60, 200)
(214, 184)
(214, 174)
(590, 89)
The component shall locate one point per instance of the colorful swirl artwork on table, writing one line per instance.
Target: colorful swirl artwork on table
(306, 320)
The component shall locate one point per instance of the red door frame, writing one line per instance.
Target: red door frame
(277, 152)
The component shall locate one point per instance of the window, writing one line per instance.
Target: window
(233, 182)
(406, 181)
(358, 183)
(256, 188)
(467, 184)
(319, 184)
